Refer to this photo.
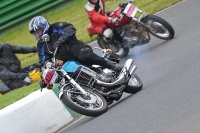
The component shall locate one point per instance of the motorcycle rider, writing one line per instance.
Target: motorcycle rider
(11, 73)
(95, 10)
(63, 36)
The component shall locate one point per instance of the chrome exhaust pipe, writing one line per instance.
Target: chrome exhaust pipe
(121, 78)
(132, 71)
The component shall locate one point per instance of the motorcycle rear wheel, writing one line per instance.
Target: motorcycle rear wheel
(134, 85)
(92, 105)
(163, 29)
(114, 47)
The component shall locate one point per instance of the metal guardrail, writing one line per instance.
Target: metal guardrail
(12, 13)
(6, 3)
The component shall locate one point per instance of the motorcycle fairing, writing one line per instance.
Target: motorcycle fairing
(70, 66)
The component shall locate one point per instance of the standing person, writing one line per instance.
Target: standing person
(63, 36)
(11, 73)
(95, 10)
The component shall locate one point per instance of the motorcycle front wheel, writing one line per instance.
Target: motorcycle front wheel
(91, 105)
(161, 28)
(134, 85)
(115, 47)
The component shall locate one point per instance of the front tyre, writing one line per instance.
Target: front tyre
(134, 85)
(161, 28)
(92, 105)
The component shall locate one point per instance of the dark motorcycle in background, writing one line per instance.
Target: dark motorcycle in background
(88, 89)
(132, 27)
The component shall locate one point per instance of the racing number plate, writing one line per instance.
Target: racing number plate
(130, 10)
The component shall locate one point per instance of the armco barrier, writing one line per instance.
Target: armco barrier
(19, 9)
(39, 112)
(5, 3)
(12, 13)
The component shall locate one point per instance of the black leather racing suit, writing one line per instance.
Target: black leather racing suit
(62, 34)
(11, 73)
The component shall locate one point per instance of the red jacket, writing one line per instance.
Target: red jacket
(96, 12)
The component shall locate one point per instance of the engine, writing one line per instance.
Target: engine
(106, 75)
(139, 31)
(133, 33)
(84, 76)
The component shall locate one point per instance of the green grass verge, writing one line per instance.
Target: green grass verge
(18, 94)
(75, 14)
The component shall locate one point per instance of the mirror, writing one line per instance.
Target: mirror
(45, 37)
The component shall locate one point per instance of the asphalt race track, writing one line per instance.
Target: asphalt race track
(170, 99)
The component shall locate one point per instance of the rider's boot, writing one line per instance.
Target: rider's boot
(114, 66)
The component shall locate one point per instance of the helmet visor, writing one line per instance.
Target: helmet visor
(38, 34)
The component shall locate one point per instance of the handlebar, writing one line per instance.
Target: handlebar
(54, 56)
(55, 52)
(116, 21)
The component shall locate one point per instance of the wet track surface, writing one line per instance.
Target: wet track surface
(169, 101)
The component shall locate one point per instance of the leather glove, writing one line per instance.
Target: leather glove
(113, 20)
(38, 65)
(58, 43)
(59, 63)
(22, 76)
(28, 79)
(34, 49)
(31, 68)
(35, 66)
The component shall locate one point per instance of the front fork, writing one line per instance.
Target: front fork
(73, 82)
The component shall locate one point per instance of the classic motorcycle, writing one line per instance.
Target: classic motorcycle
(132, 27)
(88, 89)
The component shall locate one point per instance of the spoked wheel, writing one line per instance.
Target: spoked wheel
(114, 46)
(134, 85)
(92, 104)
(161, 28)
